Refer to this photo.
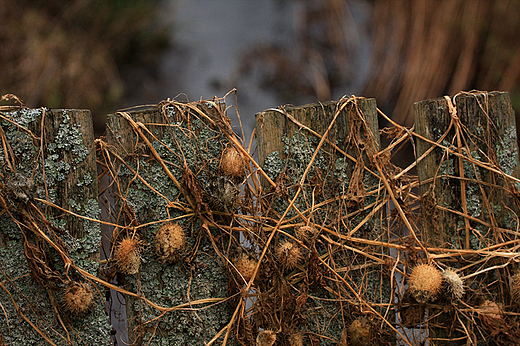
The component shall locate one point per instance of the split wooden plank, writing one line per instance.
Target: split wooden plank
(467, 183)
(48, 218)
(162, 161)
(338, 197)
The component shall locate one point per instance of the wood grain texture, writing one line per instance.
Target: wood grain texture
(272, 125)
(341, 182)
(466, 198)
(488, 134)
(52, 151)
(145, 190)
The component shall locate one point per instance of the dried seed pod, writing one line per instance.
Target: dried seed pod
(305, 233)
(425, 283)
(19, 188)
(222, 194)
(266, 338)
(490, 310)
(296, 339)
(288, 253)
(515, 288)
(127, 255)
(492, 320)
(169, 242)
(232, 163)
(360, 332)
(78, 298)
(412, 315)
(245, 266)
(343, 341)
(453, 284)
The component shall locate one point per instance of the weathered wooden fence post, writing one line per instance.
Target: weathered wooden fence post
(165, 163)
(467, 150)
(320, 157)
(47, 172)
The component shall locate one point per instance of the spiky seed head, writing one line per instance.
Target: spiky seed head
(515, 288)
(232, 163)
(306, 232)
(360, 332)
(296, 339)
(266, 338)
(288, 253)
(78, 298)
(246, 266)
(127, 255)
(453, 284)
(425, 283)
(170, 240)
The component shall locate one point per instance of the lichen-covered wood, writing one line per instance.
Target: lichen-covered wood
(48, 229)
(482, 128)
(164, 163)
(468, 163)
(320, 158)
(211, 246)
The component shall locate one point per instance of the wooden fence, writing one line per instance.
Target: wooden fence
(311, 237)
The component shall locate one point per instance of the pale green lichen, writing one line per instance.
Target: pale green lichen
(480, 130)
(91, 240)
(472, 171)
(273, 165)
(87, 180)
(323, 313)
(325, 317)
(24, 150)
(177, 283)
(299, 150)
(343, 171)
(474, 204)
(476, 236)
(31, 298)
(57, 169)
(511, 220)
(507, 151)
(70, 139)
(447, 166)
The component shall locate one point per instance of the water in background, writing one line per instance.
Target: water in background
(208, 42)
(210, 39)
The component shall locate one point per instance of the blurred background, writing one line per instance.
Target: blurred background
(109, 54)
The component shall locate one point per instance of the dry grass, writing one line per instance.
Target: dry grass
(70, 54)
(421, 49)
(430, 48)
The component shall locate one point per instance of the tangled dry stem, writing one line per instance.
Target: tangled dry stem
(342, 265)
